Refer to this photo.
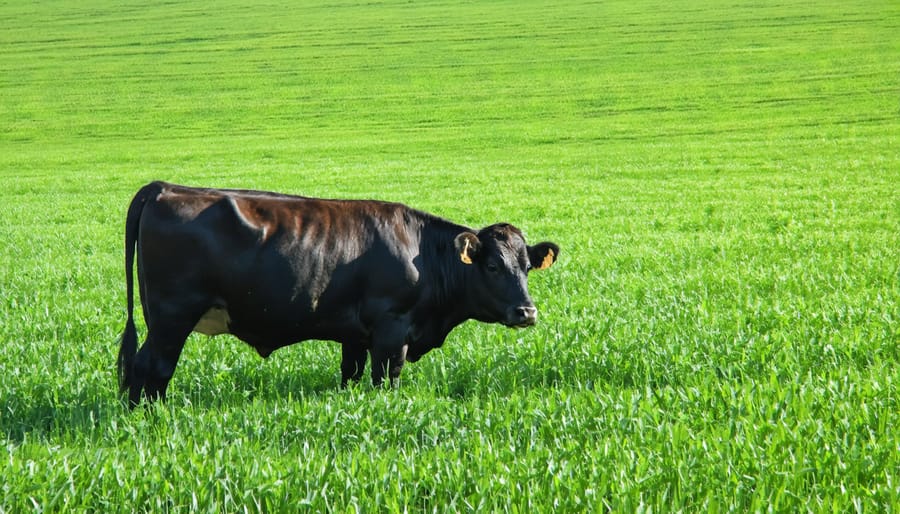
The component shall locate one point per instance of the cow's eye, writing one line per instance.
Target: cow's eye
(492, 267)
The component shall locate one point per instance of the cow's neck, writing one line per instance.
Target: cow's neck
(447, 294)
(447, 274)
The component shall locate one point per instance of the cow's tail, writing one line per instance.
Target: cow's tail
(128, 341)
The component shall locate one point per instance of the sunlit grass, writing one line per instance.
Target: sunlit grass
(720, 333)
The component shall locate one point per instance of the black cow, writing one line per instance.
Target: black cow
(275, 269)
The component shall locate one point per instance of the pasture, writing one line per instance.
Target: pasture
(719, 334)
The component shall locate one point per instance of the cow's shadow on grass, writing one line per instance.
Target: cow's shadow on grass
(51, 416)
(93, 409)
(248, 383)
(59, 414)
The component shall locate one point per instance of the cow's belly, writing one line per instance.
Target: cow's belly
(270, 329)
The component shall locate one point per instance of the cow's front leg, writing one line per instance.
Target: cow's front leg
(388, 351)
(388, 363)
(395, 365)
(353, 362)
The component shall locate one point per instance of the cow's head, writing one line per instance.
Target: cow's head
(501, 260)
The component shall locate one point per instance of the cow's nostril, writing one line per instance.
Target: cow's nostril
(526, 313)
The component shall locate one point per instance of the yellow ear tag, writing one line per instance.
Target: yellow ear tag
(464, 255)
(548, 259)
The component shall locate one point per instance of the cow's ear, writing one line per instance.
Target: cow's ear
(543, 255)
(467, 244)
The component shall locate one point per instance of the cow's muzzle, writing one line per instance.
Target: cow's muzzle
(522, 316)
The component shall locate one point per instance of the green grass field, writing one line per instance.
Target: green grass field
(720, 333)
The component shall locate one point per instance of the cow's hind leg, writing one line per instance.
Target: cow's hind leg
(155, 362)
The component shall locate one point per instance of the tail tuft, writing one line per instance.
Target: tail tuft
(127, 350)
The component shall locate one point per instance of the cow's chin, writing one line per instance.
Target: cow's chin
(519, 323)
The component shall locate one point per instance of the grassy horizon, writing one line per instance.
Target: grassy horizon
(719, 334)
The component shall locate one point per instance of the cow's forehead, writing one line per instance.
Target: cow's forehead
(504, 236)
